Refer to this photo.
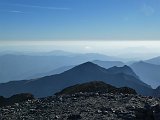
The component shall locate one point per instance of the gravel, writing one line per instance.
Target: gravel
(85, 106)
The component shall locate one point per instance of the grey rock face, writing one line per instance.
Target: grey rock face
(85, 106)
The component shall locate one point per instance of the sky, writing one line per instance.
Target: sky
(129, 50)
(22, 20)
(117, 27)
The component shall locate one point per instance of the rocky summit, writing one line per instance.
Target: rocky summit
(85, 106)
(15, 99)
(95, 86)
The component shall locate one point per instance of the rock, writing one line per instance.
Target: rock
(156, 111)
(145, 113)
(95, 87)
(15, 99)
(98, 111)
(86, 106)
(57, 117)
(74, 117)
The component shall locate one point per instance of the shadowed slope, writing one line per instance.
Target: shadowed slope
(82, 73)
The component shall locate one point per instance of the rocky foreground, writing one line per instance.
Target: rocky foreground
(85, 106)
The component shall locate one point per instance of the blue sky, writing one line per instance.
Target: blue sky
(35, 20)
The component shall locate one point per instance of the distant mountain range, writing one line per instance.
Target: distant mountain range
(145, 71)
(18, 67)
(148, 73)
(31, 53)
(53, 72)
(82, 73)
(105, 64)
(108, 64)
(155, 60)
(28, 72)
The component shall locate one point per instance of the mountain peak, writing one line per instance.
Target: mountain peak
(82, 73)
(125, 69)
(95, 86)
(126, 66)
(142, 62)
(86, 67)
(87, 64)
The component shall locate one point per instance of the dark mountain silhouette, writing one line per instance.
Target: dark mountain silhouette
(18, 67)
(105, 64)
(116, 67)
(156, 92)
(155, 60)
(82, 73)
(148, 73)
(95, 86)
(125, 70)
(53, 72)
(108, 64)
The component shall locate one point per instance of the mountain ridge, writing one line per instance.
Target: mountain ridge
(82, 73)
(148, 73)
(155, 60)
(29, 65)
(95, 87)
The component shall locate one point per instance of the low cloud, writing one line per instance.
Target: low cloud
(88, 47)
(42, 7)
(15, 11)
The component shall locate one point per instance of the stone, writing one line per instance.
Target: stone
(86, 106)
(74, 117)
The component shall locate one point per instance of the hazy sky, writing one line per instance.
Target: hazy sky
(135, 50)
(126, 28)
(34, 20)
